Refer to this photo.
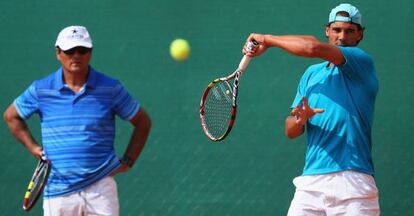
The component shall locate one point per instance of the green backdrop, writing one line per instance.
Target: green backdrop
(180, 172)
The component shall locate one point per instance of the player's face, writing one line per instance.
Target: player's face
(75, 60)
(343, 34)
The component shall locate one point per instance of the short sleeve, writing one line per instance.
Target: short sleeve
(124, 105)
(358, 64)
(28, 102)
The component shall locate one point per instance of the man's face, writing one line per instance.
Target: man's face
(75, 60)
(343, 34)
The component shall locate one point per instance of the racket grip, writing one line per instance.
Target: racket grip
(251, 47)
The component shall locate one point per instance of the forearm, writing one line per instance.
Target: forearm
(292, 128)
(295, 44)
(138, 139)
(299, 45)
(21, 132)
(135, 146)
(306, 46)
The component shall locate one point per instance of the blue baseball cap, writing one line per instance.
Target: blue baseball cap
(354, 14)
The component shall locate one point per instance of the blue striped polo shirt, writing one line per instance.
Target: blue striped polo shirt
(78, 129)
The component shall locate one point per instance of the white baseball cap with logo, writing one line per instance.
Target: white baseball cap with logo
(73, 36)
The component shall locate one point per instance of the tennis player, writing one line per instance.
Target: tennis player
(335, 103)
(77, 106)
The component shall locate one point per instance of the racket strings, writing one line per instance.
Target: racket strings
(38, 183)
(218, 108)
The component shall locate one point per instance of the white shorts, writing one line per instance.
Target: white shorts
(340, 193)
(100, 198)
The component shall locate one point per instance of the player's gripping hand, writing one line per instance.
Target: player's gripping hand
(260, 38)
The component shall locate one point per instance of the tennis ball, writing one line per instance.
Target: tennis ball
(180, 49)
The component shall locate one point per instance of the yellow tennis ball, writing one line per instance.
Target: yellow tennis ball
(180, 49)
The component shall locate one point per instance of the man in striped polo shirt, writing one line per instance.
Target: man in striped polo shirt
(77, 106)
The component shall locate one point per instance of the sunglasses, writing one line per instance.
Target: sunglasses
(80, 50)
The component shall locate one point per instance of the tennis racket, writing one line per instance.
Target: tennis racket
(36, 184)
(219, 101)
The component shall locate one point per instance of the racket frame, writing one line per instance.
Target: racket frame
(41, 164)
(236, 75)
(233, 109)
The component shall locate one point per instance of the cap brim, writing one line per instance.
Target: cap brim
(72, 44)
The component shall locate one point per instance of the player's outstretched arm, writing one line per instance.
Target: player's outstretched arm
(300, 45)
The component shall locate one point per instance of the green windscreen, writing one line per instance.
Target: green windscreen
(180, 172)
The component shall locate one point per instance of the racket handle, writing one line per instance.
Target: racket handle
(244, 62)
(251, 47)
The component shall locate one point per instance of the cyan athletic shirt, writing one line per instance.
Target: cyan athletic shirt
(340, 138)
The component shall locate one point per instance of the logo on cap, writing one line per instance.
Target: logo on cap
(76, 35)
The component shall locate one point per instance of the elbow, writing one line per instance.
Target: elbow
(290, 135)
(11, 117)
(292, 129)
(7, 116)
(312, 47)
(146, 122)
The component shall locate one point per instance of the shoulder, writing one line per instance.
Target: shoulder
(104, 83)
(102, 79)
(356, 58)
(50, 81)
(352, 50)
(355, 53)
